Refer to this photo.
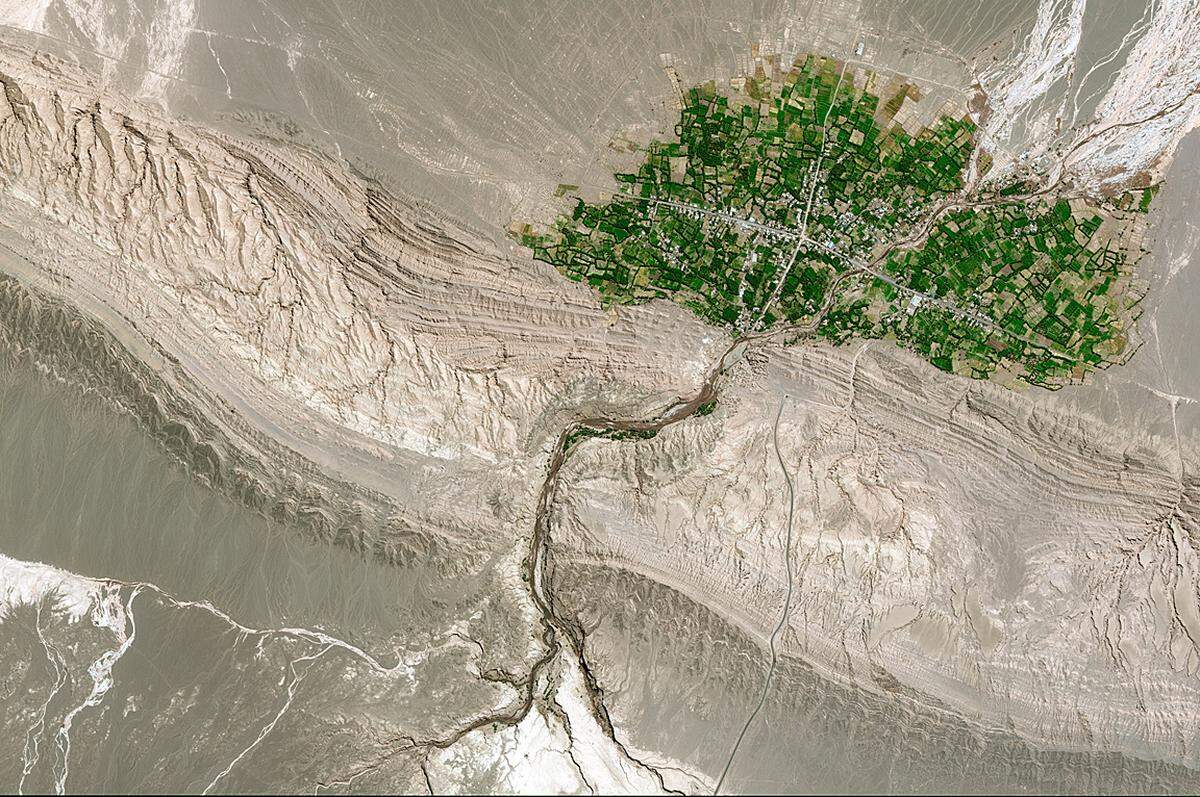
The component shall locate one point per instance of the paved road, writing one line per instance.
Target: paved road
(971, 316)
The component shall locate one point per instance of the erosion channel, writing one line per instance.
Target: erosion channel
(558, 624)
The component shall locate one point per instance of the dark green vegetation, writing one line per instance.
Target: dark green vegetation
(587, 432)
(801, 201)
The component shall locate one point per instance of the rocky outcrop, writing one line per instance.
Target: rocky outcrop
(377, 315)
(1026, 567)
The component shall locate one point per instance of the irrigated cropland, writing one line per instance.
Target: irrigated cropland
(805, 201)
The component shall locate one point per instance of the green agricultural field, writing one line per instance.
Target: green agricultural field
(801, 202)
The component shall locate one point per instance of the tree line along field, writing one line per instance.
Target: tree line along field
(801, 200)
